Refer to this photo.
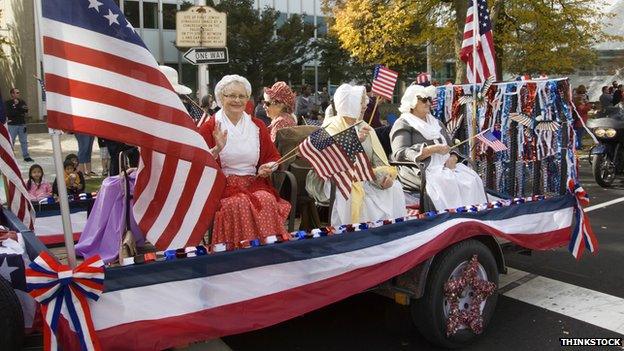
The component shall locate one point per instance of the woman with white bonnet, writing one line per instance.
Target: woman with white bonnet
(250, 208)
(368, 201)
(417, 136)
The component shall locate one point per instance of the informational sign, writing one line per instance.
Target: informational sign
(201, 26)
(198, 56)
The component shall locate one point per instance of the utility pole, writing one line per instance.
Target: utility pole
(202, 70)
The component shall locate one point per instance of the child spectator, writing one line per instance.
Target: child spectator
(74, 179)
(37, 188)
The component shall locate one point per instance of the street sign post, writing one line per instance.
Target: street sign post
(211, 56)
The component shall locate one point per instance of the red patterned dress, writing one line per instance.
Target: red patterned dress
(250, 208)
(284, 120)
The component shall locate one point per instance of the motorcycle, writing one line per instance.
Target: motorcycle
(607, 158)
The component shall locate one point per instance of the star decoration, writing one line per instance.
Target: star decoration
(129, 25)
(95, 4)
(5, 270)
(111, 17)
(470, 317)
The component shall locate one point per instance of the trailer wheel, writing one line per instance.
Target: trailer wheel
(11, 318)
(430, 313)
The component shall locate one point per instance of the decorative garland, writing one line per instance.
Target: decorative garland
(201, 250)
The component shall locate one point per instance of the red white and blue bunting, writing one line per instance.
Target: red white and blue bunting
(61, 290)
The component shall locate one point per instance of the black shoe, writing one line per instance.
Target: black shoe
(28, 159)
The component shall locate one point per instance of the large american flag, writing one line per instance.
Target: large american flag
(102, 80)
(485, 58)
(361, 170)
(489, 139)
(384, 81)
(17, 195)
(324, 154)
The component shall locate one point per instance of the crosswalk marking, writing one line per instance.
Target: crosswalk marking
(593, 307)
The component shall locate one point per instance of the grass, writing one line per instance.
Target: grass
(93, 184)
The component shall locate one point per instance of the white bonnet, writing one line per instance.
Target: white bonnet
(226, 81)
(410, 97)
(348, 100)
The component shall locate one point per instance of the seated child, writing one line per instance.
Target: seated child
(37, 188)
(74, 181)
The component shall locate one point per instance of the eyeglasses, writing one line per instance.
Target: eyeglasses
(425, 99)
(16, 92)
(268, 103)
(234, 96)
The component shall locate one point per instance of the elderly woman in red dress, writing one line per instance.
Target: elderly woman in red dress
(279, 103)
(241, 144)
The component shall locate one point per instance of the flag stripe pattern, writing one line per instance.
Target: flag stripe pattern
(488, 138)
(102, 80)
(259, 280)
(384, 82)
(485, 59)
(349, 142)
(18, 199)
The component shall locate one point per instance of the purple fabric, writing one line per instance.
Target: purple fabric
(106, 223)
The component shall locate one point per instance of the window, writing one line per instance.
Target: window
(169, 16)
(131, 11)
(150, 15)
(321, 25)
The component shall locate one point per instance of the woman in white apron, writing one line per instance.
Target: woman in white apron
(417, 136)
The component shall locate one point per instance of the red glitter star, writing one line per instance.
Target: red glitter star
(482, 289)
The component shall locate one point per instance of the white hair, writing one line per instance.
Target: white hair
(228, 80)
(411, 95)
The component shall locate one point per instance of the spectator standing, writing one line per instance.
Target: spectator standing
(324, 98)
(85, 149)
(16, 110)
(260, 111)
(605, 99)
(104, 156)
(303, 104)
(581, 102)
(617, 94)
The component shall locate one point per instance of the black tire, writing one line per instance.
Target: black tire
(597, 161)
(428, 311)
(11, 318)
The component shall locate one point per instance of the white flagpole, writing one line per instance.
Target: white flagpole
(475, 40)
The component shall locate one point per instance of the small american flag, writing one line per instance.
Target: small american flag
(194, 111)
(384, 82)
(489, 139)
(361, 170)
(17, 195)
(484, 64)
(102, 80)
(325, 156)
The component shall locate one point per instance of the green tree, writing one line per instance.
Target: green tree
(530, 35)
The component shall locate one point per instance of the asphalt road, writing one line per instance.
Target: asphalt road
(371, 322)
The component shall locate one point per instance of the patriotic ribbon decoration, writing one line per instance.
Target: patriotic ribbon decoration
(582, 234)
(58, 289)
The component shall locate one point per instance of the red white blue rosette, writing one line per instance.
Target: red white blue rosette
(58, 289)
(582, 234)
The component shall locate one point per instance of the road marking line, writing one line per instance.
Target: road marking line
(604, 204)
(589, 306)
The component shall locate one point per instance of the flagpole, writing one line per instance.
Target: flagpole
(62, 192)
(475, 40)
(370, 120)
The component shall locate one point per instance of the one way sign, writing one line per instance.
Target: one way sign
(209, 56)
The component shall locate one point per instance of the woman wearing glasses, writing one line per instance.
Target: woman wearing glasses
(279, 103)
(417, 136)
(250, 208)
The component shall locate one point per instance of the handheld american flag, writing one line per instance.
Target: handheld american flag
(361, 169)
(478, 31)
(102, 80)
(489, 139)
(384, 81)
(325, 156)
(18, 199)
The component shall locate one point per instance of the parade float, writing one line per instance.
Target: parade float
(444, 264)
